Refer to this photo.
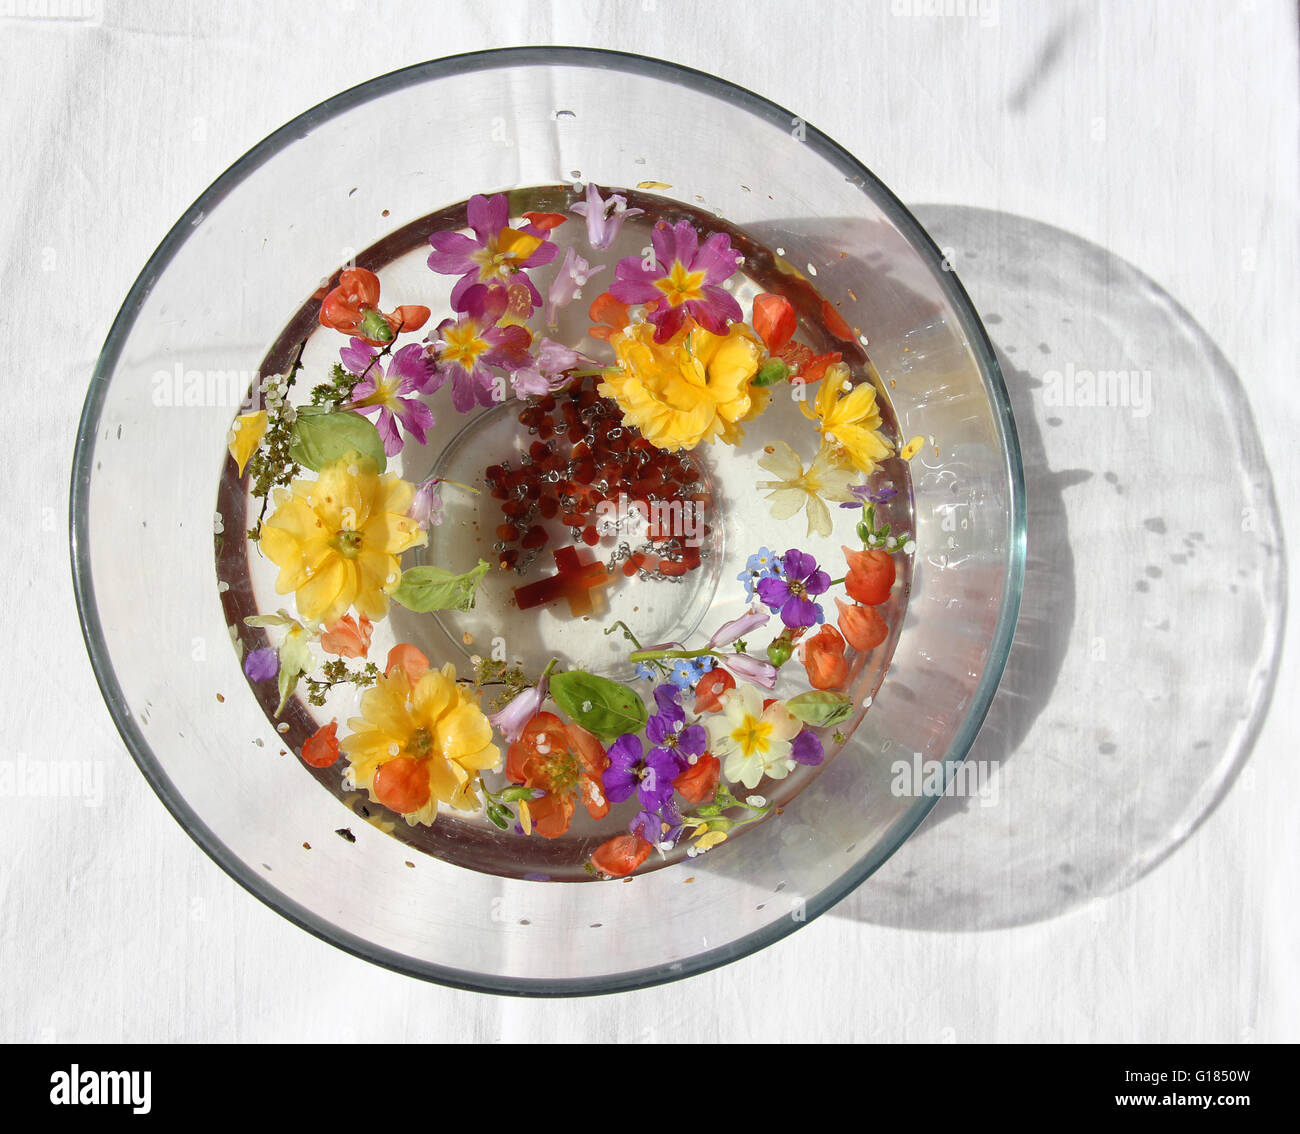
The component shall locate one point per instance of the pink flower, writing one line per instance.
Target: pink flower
(464, 348)
(392, 394)
(686, 280)
(426, 508)
(750, 669)
(496, 253)
(522, 708)
(604, 218)
(729, 632)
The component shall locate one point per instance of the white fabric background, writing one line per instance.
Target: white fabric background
(1165, 133)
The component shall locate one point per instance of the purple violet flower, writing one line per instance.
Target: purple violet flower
(668, 731)
(791, 596)
(391, 393)
(464, 348)
(604, 217)
(865, 494)
(649, 774)
(496, 253)
(806, 748)
(685, 280)
(261, 665)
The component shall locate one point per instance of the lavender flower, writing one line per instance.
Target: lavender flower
(865, 494)
(568, 283)
(261, 665)
(604, 217)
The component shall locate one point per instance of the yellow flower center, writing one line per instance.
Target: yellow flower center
(463, 346)
(347, 543)
(681, 286)
(753, 735)
(385, 392)
(562, 772)
(420, 746)
(505, 252)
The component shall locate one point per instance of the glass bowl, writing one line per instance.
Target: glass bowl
(228, 281)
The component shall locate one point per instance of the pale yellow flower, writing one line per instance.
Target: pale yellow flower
(848, 419)
(799, 488)
(434, 736)
(336, 539)
(692, 388)
(751, 741)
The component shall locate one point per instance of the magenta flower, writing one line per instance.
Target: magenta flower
(496, 253)
(464, 348)
(392, 393)
(568, 283)
(547, 372)
(604, 218)
(685, 280)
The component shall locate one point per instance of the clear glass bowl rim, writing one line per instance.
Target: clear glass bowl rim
(83, 463)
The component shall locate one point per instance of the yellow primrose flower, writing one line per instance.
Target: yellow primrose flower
(246, 433)
(751, 741)
(336, 539)
(692, 388)
(414, 747)
(848, 419)
(797, 488)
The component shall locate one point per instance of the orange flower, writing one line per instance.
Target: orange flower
(699, 783)
(545, 222)
(823, 658)
(561, 760)
(862, 626)
(347, 638)
(775, 323)
(621, 855)
(871, 575)
(322, 747)
(774, 320)
(353, 308)
(708, 693)
(409, 660)
(608, 316)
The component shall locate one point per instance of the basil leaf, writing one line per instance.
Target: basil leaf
(319, 438)
(423, 589)
(820, 707)
(599, 705)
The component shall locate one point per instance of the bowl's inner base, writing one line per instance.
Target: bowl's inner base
(654, 608)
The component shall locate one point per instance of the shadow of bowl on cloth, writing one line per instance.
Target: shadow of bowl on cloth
(1155, 593)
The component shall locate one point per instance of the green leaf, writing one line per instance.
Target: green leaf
(423, 589)
(597, 704)
(820, 707)
(320, 438)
